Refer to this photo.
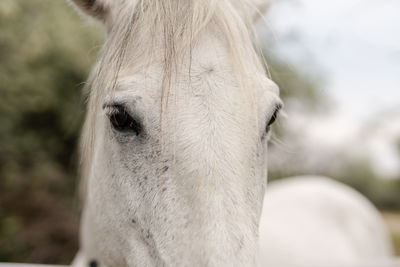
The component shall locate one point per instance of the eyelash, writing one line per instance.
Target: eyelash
(273, 118)
(121, 121)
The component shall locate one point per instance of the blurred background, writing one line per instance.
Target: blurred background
(337, 64)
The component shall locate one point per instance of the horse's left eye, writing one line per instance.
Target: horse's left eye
(123, 122)
(273, 118)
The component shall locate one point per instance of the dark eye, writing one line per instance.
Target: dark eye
(123, 122)
(273, 118)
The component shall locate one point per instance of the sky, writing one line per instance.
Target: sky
(355, 45)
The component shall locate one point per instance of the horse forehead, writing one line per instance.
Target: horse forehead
(203, 74)
(205, 70)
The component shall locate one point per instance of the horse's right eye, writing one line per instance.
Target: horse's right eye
(123, 122)
(273, 117)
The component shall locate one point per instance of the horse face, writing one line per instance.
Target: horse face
(178, 166)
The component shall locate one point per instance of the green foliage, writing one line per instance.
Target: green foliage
(382, 192)
(45, 52)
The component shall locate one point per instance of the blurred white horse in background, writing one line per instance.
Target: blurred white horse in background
(315, 221)
(174, 149)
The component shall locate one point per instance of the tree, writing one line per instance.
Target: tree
(45, 55)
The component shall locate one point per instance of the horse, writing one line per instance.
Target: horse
(316, 221)
(174, 142)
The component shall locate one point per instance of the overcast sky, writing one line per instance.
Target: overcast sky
(355, 44)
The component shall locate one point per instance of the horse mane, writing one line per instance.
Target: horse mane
(177, 23)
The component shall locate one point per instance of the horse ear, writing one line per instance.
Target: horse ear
(259, 8)
(98, 9)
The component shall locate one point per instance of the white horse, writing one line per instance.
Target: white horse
(315, 221)
(175, 138)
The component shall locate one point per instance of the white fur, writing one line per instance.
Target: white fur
(315, 221)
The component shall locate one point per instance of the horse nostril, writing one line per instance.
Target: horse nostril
(93, 263)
